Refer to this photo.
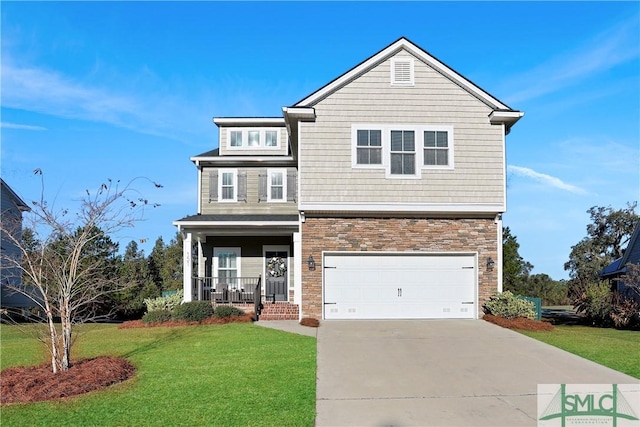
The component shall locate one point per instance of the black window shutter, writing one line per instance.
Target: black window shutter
(213, 186)
(291, 186)
(242, 186)
(262, 186)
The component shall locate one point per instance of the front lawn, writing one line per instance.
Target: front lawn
(614, 348)
(217, 375)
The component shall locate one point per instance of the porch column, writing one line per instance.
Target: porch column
(200, 259)
(299, 264)
(187, 268)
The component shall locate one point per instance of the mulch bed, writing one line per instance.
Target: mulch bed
(38, 383)
(521, 323)
(245, 318)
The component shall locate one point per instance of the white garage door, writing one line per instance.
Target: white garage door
(399, 286)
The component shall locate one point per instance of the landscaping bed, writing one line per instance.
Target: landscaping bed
(520, 323)
(38, 383)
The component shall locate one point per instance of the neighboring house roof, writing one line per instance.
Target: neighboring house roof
(212, 153)
(502, 112)
(631, 256)
(20, 204)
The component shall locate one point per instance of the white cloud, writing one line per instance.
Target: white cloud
(7, 125)
(50, 92)
(614, 47)
(548, 180)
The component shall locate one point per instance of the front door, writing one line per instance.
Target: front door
(276, 273)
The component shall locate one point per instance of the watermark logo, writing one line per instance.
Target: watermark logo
(616, 405)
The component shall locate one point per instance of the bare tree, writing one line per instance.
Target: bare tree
(61, 272)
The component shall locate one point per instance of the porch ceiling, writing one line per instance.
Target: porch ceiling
(239, 225)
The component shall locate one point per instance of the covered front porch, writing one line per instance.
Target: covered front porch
(240, 261)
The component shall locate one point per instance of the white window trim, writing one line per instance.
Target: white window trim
(354, 146)
(411, 81)
(270, 172)
(216, 252)
(450, 144)
(221, 172)
(245, 138)
(386, 147)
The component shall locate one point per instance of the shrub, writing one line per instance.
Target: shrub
(596, 302)
(224, 311)
(310, 321)
(193, 311)
(164, 303)
(626, 315)
(509, 306)
(156, 316)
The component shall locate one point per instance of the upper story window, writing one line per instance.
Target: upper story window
(369, 147)
(227, 185)
(402, 72)
(403, 152)
(271, 138)
(235, 138)
(251, 138)
(436, 148)
(277, 191)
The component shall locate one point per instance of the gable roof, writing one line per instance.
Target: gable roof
(631, 256)
(404, 44)
(20, 204)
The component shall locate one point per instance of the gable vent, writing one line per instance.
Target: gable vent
(402, 72)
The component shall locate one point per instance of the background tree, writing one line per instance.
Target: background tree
(552, 292)
(607, 237)
(515, 270)
(62, 262)
(165, 263)
(137, 284)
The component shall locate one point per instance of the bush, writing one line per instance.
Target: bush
(225, 311)
(596, 302)
(509, 306)
(157, 316)
(164, 303)
(193, 311)
(626, 315)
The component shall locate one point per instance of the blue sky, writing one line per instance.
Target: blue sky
(94, 90)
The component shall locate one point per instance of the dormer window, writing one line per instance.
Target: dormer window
(248, 138)
(402, 72)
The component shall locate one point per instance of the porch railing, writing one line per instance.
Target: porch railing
(238, 290)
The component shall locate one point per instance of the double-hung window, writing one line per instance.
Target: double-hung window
(228, 185)
(436, 148)
(403, 152)
(277, 191)
(369, 147)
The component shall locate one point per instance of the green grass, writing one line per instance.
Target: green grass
(614, 348)
(218, 375)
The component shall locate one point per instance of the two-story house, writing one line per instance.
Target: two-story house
(11, 209)
(378, 196)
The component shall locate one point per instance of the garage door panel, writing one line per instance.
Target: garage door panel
(416, 286)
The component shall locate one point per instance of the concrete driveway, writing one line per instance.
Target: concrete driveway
(439, 373)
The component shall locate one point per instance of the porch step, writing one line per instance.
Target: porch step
(277, 311)
(280, 311)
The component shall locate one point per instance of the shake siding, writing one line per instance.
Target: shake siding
(433, 100)
(252, 205)
(225, 151)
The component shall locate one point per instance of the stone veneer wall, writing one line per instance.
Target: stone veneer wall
(391, 235)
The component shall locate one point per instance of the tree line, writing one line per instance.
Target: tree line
(608, 235)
